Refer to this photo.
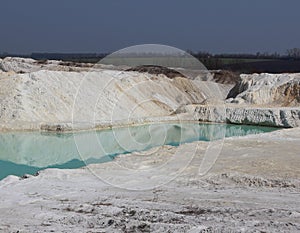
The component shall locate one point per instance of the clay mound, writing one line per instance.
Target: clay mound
(156, 70)
(218, 76)
(267, 89)
(225, 77)
(27, 65)
(101, 96)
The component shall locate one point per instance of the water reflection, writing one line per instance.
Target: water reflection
(28, 152)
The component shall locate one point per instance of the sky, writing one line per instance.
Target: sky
(96, 26)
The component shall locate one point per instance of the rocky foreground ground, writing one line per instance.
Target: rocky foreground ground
(253, 187)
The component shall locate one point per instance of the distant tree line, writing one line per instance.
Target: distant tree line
(228, 61)
(293, 53)
(243, 62)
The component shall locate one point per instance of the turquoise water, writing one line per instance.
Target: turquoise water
(28, 152)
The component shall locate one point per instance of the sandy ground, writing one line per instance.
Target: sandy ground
(253, 187)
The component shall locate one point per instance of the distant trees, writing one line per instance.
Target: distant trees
(293, 53)
(258, 55)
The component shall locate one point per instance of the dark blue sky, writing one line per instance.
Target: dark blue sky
(232, 26)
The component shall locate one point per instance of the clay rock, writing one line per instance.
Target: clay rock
(18, 65)
(276, 117)
(267, 90)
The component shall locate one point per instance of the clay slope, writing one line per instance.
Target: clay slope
(281, 90)
(98, 96)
